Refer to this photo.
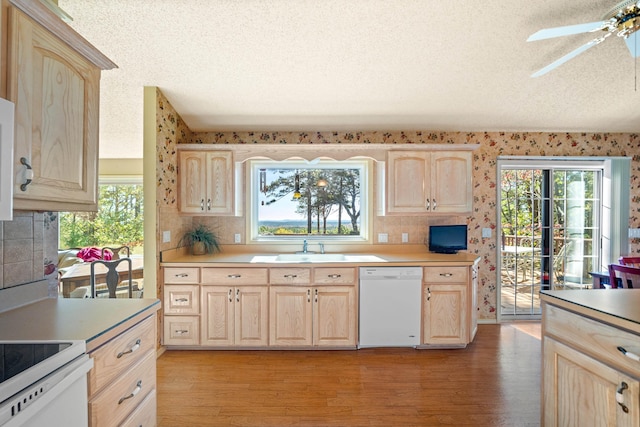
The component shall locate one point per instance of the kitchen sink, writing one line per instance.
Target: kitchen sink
(309, 257)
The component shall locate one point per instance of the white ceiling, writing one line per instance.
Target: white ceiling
(309, 65)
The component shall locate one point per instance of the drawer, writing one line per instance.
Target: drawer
(117, 355)
(235, 276)
(334, 276)
(182, 275)
(181, 299)
(116, 402)
(446, 274)
(597, 339)
(181, 330)
(290, 276)
(145, 414)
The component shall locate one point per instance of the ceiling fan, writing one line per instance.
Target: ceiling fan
(623, 20)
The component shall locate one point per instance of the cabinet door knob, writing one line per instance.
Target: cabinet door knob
(620, 397)
(28, 174)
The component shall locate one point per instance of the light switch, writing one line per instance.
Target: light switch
(383, 237)
(486, 233)
(405, 237)
(166, 236)
(237, 238)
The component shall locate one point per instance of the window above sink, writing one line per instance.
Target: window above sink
(322, 200)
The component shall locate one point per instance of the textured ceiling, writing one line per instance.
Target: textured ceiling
(308, 65)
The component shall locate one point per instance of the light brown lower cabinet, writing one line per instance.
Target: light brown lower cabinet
(586, 379)
(122, 383)
(313, 316)
(234, 316)
(449, 306)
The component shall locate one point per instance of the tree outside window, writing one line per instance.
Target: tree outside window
(119, 220)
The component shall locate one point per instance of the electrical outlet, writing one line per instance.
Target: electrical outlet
(383, 237)
(486, 233)
(237, 238)
(405, 237)
(166, 236)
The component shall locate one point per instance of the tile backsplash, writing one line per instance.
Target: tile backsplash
(29, 250)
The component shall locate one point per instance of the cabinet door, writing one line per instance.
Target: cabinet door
(334, 316)
(206, 182)
(193, 180)
(56, 92)
(407, 189)
(580, 391)
(444, 314)
(219, 183)
(290, 316)
(217, 316)
(451, 182)
(252, 316)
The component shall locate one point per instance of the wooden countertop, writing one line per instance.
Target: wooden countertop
(92, 320)
(620, 307)
(177, 259)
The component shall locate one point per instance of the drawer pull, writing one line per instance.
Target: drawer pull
(335, 276)
(234, 276)
(181, 300)
(230, 295)
(446, 274)
(131, 350)
(181, 331)
(629, 354)
(308, 295)
(133, 393)
(428, 294)
(182, 275)
(290, 276)
(238, 295)
(620, 397)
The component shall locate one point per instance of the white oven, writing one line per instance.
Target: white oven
(43, 383)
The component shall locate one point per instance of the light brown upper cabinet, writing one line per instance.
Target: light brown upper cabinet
(429, 182)
(53, 77)
(206, 182)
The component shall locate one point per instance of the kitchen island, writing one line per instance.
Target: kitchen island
(120, 337)
(591, 367)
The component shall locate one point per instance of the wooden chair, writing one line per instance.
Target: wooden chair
(623, 276)
(112, 277)
(116, 252)
(629, 261)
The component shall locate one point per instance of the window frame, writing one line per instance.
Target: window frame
(365, 166)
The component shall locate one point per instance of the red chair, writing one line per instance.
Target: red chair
(631, 261)
(624, 276)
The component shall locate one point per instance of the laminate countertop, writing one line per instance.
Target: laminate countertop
(94, 321)
(620, 307)
(373, 259)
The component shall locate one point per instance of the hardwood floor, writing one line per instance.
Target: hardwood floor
(495, 381)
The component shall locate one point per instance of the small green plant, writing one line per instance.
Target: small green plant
(201, 239)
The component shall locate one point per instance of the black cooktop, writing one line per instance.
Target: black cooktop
(18, 357)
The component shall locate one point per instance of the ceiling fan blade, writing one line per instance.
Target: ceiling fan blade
(633, 43)
(570, 55)
(550, 33)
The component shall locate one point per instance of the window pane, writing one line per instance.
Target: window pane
(308, 201)
(119, 220)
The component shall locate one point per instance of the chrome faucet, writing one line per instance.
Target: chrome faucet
(321, 247)
(305, 246)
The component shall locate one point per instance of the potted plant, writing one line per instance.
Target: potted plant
(201, 239)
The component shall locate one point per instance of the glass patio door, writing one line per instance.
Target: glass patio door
(549, 226)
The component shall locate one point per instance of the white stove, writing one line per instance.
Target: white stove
(43, 383)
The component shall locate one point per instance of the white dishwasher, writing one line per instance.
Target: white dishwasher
(390, 301)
